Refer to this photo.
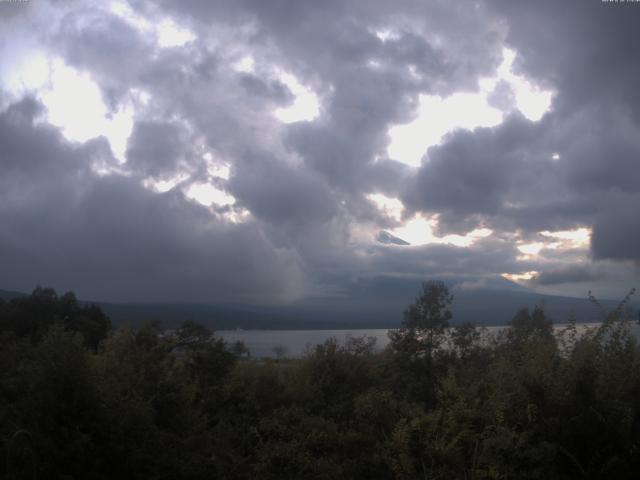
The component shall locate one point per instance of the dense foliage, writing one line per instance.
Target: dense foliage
(80, 400)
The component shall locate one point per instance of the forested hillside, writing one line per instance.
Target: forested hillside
(81, 400)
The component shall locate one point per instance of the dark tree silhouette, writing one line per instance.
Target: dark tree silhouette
(425, 321)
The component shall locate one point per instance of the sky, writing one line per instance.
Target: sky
(270, 151)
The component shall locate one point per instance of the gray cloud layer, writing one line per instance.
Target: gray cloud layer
(110, 238)
(304, 184)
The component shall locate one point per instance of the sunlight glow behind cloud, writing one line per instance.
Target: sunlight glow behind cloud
(167, 33)
(419, 231)
(306, 105)
(171, 35)
(386, 34)
(392, 207)
(578, 238)
(519, 277)
(74, 103)
(27, 75)
(531, 248)
(222, 171)
(162, 186)
(208, 195)
(531, 100)
(245, 64)
(438, 116)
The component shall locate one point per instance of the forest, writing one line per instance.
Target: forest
(80, 399)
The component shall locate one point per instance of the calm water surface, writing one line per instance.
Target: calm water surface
(295, 343)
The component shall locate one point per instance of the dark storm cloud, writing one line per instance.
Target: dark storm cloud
(504, 178)
(568, 274)
(603, 152)
(332, 34)
(328, 46)
(331, 47)
(502, 97)
(386, 176)
(155, 148)
(108, 237)
(476, 175)
(585, 49)
(31, 163)
(305, 183)
(557, 210)
(468, 175)
(587, 53)
(616, 231)
(490, 256)
(258, 87)
(85, 31)
(282, 194)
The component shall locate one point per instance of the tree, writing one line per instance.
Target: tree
(413, 368)
(527, 326)
(425, 322)
(464, 338)
(206, 358)
(32, 316)
(239, 349)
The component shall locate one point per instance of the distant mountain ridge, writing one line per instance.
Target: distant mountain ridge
(372, 303)
(8, 294)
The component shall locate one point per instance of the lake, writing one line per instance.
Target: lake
(295, 343)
